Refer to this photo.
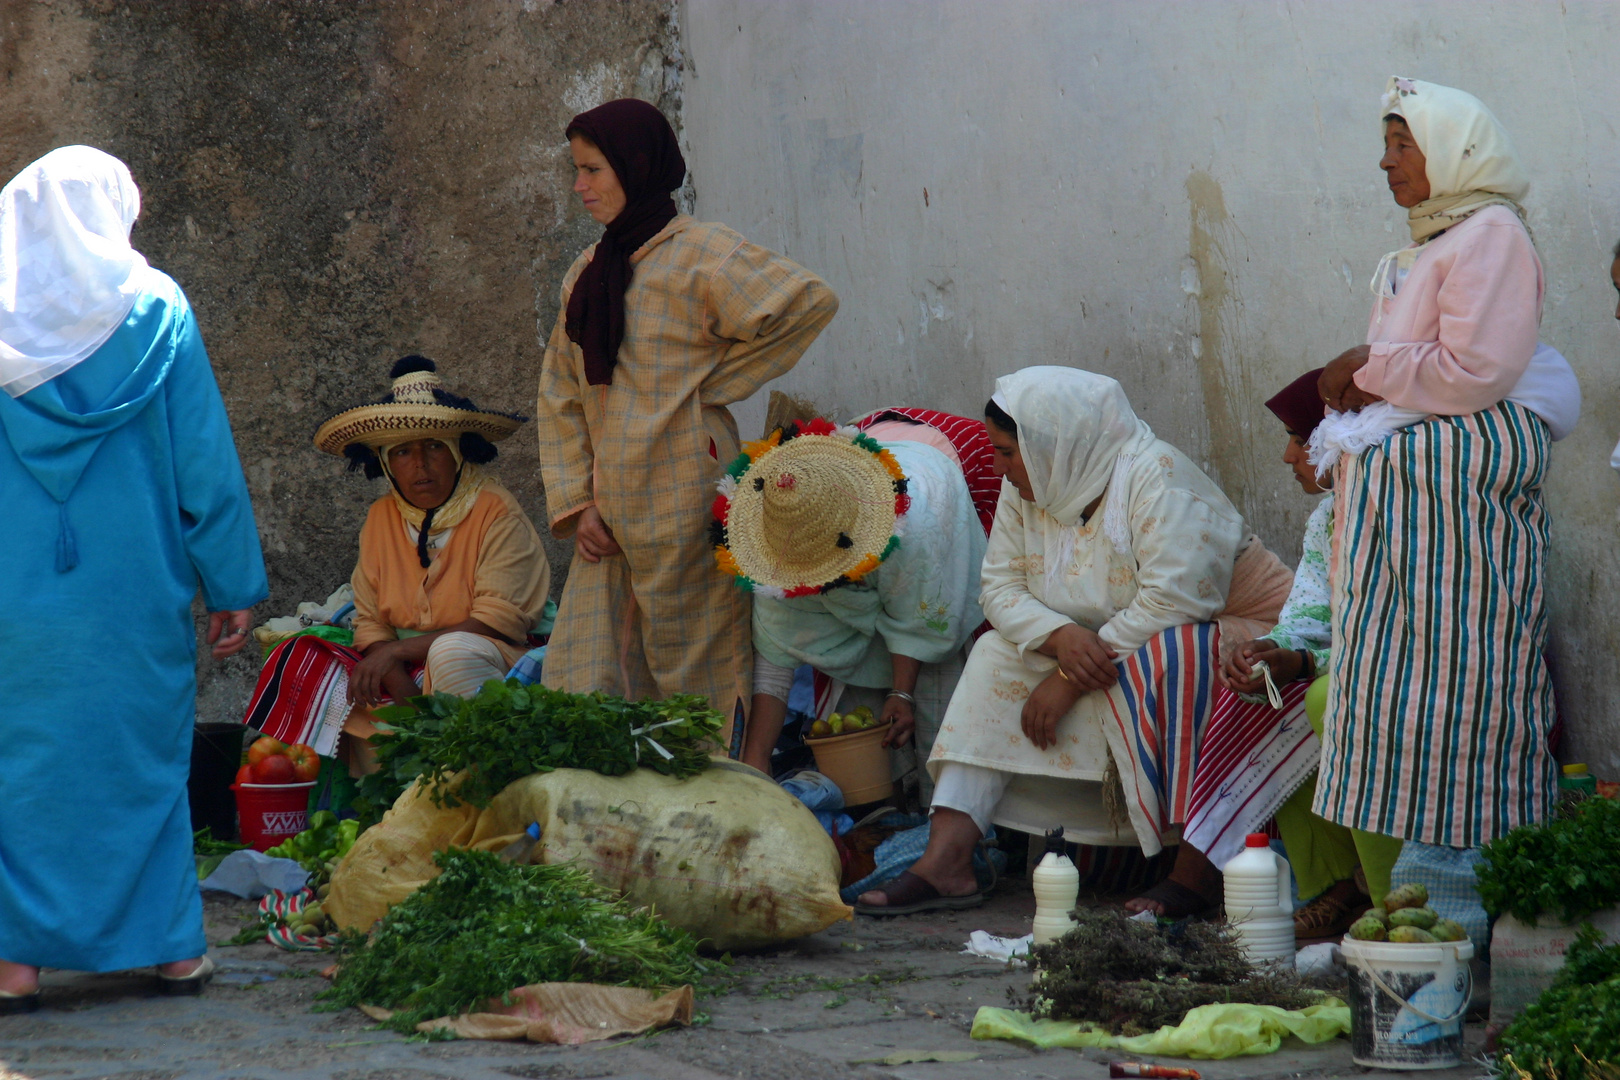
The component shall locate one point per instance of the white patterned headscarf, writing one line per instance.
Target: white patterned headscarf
(1471, 162)
(68, 277)
(1078, 436)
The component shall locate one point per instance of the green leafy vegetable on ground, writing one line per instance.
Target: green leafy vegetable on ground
(483, 928)
(204, 844)
(1565, 866)
(325, 841)
(1572, 1031)
(1134, 977)
(508, 731)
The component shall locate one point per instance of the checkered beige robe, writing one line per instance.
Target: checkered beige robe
(709, 319)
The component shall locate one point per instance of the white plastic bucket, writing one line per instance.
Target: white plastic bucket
(1407, 1002)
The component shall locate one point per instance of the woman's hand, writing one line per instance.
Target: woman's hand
(368, 678)
(901, 716)
(1237, 671)
(1050, 702)
(1337, 384)
(593, 539)
(1084, 657)
(228, 631)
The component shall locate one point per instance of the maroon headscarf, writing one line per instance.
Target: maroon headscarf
(640, 145)
(1299, 405)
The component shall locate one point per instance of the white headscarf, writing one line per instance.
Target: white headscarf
(1077, 435)
(68, 277)
(1471, 163)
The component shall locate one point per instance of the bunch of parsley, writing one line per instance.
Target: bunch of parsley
(508, 731)
(484, 928)
(1572, 1031)
(1566, 866)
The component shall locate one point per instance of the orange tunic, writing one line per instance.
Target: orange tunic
(492, 569)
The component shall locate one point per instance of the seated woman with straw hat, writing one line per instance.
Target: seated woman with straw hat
(811, 521)
(451, 574)
(1114, 569)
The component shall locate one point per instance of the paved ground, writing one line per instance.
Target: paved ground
(814, 1011)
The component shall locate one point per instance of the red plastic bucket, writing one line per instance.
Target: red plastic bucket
(270, 813)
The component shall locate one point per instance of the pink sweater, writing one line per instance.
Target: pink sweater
(1462, 328)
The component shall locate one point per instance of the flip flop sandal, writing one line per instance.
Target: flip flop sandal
(188, 985)
(1178, 901)
(908, 894)
(12, 1004)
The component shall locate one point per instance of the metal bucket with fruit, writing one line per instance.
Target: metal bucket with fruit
(849, 751)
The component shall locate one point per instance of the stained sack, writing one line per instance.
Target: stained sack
(726, 855)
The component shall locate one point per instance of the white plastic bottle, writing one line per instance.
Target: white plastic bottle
(1056, 885)
(1259, 901)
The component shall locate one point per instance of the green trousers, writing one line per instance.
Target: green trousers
(1320, 851)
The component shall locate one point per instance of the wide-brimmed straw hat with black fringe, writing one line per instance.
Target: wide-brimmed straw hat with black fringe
(417, 407)
(810, 508)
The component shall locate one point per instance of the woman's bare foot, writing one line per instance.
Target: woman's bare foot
(18, 980)
(1193, 872)
(179, 969)
(947, 864)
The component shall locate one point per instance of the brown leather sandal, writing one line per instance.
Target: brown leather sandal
(1329, 916)
(908, 894)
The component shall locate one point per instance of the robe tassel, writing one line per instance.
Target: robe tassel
(67, 548)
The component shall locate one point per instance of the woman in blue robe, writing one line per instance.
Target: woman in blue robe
(123, 495)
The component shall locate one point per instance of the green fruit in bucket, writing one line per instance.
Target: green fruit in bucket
(1406, 896)
(836, 722)
(1377, 912)
(1421, 917)
(1410, 935)
(1447, 930)
(1368, 929)
(820, 729)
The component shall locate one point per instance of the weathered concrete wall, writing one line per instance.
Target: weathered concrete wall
(1184, 196)
(335, 184)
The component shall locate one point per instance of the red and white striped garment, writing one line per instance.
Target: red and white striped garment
(974, 452)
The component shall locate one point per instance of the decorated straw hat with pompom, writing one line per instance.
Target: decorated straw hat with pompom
(810, 508)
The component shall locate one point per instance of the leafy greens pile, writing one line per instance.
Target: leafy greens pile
(508, 731)
(1572, 1031)
(484, 927)
(1563, 867)
(1133, 977)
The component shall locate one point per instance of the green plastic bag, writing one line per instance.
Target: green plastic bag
(1209, 1032)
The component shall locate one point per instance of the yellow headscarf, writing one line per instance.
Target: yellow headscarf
(470, 482)
(1471, 163)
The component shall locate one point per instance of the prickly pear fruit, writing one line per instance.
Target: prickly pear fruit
(1410, 935)
(1377, 912)
(1367, 929)
(1423, 918)
(1406, 896)
(1446, 930)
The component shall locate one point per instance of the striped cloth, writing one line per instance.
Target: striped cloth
(1251, 758)
(1437, 724)
(973, 451)
(1165, 694)
(302, 695)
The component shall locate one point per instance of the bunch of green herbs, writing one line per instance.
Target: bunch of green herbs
(210, 852)
(1572, 1031)
(1566, 866)
(509, 731)
(1134, 977)
(484, 928)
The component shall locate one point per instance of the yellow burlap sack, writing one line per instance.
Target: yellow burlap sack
(726, 855)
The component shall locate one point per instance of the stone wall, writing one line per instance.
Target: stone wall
(335, 184)
(1184, 196)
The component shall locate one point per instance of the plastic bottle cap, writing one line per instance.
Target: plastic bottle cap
(1575, 770)
(1257, 839)
(533, 830)
(1054, 842)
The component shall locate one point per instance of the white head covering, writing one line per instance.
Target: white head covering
(68, 277)
(1471, 163)
(1074, 427)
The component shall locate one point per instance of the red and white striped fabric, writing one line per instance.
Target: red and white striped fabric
(973, 450)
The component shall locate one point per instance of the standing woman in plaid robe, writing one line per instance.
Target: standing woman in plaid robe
(665, 321)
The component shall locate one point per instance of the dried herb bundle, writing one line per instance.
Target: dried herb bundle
(1134, 977)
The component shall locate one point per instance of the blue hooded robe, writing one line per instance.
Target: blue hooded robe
(122, 494)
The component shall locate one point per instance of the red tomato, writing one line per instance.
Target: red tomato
(265, 747)
(244, 775)
(306, 762)
(274, 770)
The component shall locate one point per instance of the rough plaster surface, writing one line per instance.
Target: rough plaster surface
(1183, 196)
(336, 184)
